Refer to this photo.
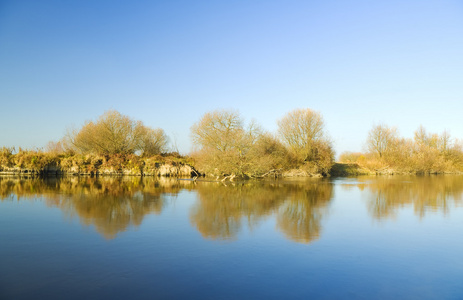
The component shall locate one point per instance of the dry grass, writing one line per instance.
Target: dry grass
(39, 162)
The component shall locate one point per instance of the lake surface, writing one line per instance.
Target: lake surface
(133, 238)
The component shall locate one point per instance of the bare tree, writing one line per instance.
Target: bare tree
(381, 139)
(55, 147)
(302, 130)
(114, 133)
(445, 142)
(218, 130)
(150, 141)
(421, 136)
(223, 143)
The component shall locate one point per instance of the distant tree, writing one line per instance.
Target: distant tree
(421, 136)
(151, 141)
(268, 154)
(302, 130)
(55, 147)
(114, 133)
(445, 142)
(350, 157)
(218, 130)
(381, 139)
(6, 156)
(435, 152)
(223, 143)
(424, 139)
(442, 142)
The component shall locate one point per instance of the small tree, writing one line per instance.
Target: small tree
(302, 130)
(268, 154)
(55, 147)
(223, 142)
(350, 157)
(218, 130)
(381, 139)
(151, 141)
(114, 133)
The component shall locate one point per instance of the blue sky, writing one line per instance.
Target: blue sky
(168, 62)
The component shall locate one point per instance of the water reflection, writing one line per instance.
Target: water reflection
(301, 215)
(425, 193)
(111, 204)
(299, 206)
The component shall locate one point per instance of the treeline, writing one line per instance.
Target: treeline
(425, 153)
(224, 146)
(227, 147)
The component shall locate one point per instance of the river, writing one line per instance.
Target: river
(162, 238)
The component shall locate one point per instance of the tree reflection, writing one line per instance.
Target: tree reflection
(425, 193)
(221, 209)
(300, 216)
(300, 207)
(111, 204)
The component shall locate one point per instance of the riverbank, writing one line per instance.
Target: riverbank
(35, 163)
(354, 169)
(48, 164)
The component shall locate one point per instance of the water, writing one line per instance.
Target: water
(119, 238)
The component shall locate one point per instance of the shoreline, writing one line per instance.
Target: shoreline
(31, 163)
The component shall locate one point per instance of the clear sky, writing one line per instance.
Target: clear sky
(168, 62)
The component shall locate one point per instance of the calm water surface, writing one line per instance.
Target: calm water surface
(132, 238)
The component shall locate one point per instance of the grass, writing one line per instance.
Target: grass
(348, 169)
(40, 162)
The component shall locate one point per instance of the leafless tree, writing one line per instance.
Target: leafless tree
(151, 141)
(218, 130)
(381, 139)
(223, 142)
(114, 133)
(302, 130)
